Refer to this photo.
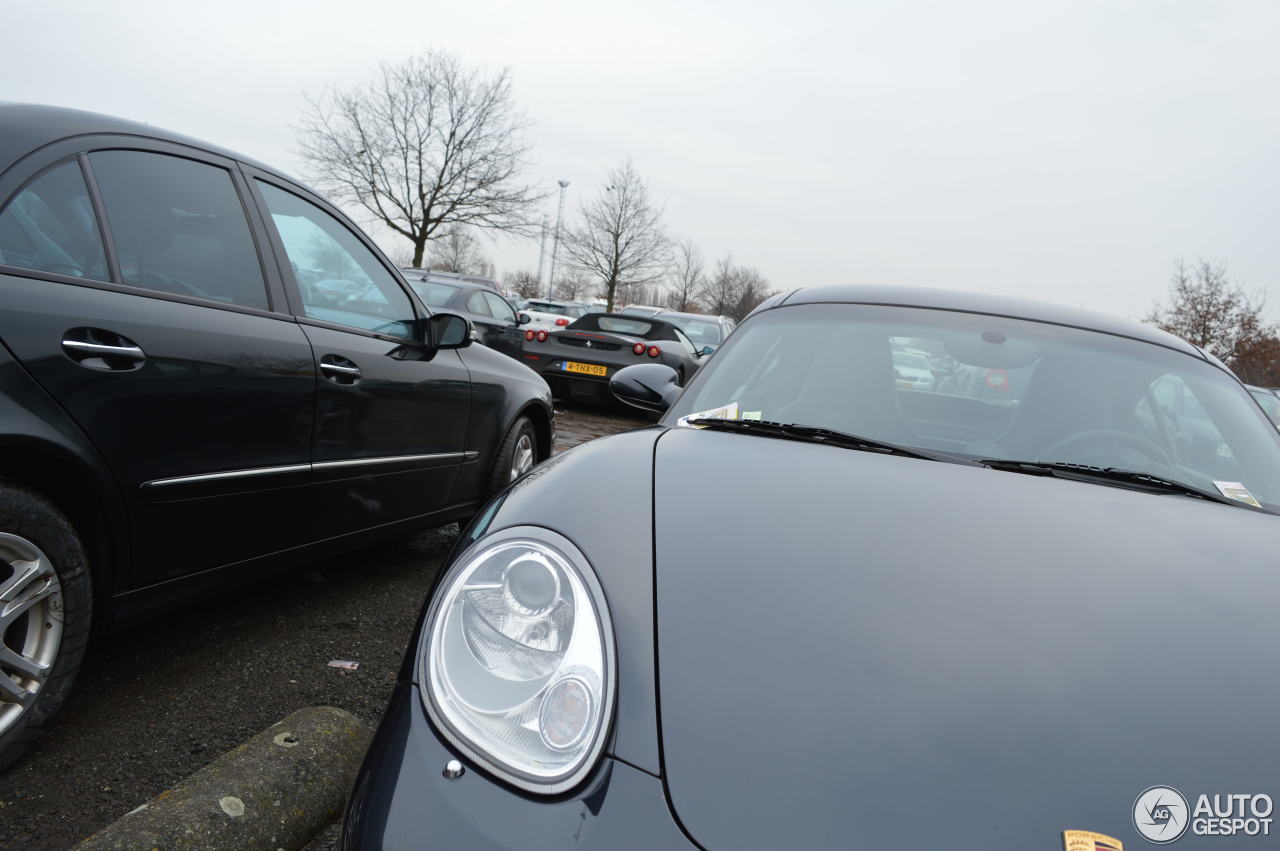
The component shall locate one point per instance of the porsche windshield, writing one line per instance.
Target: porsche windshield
(986, 387)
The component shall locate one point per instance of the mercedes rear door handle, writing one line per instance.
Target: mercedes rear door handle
(105, 351)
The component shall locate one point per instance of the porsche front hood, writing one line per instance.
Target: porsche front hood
(872, 652)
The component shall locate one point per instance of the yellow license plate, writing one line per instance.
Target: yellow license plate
(584, 368)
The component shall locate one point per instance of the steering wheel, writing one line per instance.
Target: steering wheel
(1096, 439)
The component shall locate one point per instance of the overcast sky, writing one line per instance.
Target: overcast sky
(1061, 151)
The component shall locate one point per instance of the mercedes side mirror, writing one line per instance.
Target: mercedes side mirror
(450, 331)
(651, 386)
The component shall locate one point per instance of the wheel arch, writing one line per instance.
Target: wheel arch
(78, 491)
(541, 419)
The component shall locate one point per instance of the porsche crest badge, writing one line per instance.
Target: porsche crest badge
(1087, 840)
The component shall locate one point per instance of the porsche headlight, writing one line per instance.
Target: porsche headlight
(516, 663)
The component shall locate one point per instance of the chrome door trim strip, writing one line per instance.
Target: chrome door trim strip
(230, 474)
(306, 468)
(387, 459)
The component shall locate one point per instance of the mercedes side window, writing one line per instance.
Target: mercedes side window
(50, 226)
(339, 279)
(476, 304)
(178, 227)
(499, 307)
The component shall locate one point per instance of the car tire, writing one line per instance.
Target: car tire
(41, 644)
(516, 456)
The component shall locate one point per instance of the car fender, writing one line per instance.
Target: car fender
(501, 391)
(599, 495)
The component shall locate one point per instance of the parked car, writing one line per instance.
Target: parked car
(703, 330)
(496, 323)
(912, 370)
(811, 603)
(207, 375)
(1268, 401)
(551, 314)
(641, 310)
(579, 360)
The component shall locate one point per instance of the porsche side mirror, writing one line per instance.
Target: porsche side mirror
(651, 386)
(450, 331)
(524, 319)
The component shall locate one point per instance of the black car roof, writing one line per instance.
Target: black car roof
(970, 302)
(24, 127)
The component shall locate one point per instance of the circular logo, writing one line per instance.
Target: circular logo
(1160, 814)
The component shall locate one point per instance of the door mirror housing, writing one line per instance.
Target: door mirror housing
(450, 331)
(707, 350)
(523, 319)
(652, 386)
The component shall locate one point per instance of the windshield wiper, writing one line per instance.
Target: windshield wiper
(1111, 475)
(816, 434)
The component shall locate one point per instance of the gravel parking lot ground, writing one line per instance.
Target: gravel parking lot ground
(157, 702)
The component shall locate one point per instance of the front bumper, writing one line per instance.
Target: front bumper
(401, 799)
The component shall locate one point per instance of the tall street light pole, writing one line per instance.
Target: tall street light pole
(555, 242)
(542, 252)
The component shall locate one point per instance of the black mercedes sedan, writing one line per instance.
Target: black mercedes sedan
(208, 374)
(814, 608)
(579, 361)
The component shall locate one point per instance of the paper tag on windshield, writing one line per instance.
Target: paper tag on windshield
(724, 412)
(752, 415)
(1235, 490)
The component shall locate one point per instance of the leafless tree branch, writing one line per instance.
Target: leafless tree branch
(425, 145)
(619, 239)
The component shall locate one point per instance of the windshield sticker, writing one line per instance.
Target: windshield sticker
(752, 415)
(1087, 840)
(724, 412)
(1235, 490)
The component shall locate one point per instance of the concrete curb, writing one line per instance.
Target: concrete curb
(275, 791)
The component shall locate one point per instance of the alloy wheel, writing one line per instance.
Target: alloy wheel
(30, 624)
(522, 456)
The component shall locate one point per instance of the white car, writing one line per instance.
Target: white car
(912, 370)
(550, 314)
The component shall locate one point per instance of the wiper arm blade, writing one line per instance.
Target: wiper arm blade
(818, 434)
(1086, 472)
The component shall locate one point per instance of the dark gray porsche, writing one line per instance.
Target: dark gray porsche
(816, 606)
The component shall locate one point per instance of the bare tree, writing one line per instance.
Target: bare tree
(1259, 362)
(685, 276)
(752, 289)
(619, 238)
(572, 286)
(1207, 309)
(719, 291)
(456, 250)
(733, 290)
(425, 145)
(522, 282)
